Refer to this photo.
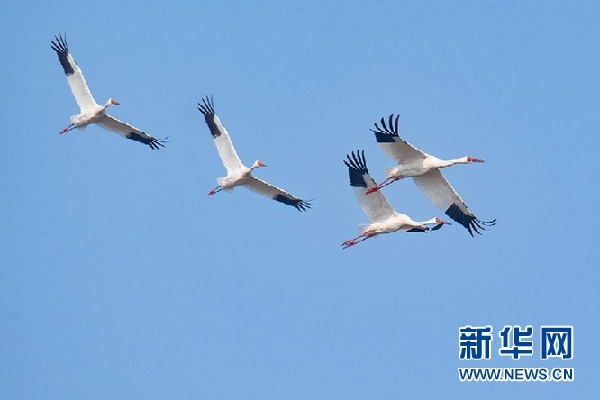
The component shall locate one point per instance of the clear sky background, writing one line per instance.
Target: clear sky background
(121, 279)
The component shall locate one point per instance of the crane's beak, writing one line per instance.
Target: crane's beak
(478, 160)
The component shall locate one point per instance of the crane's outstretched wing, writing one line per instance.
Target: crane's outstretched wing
(266, 189)
(443, 196)
(227, 152)
(374, 205)
(130, 132)
(75, 77)
(394, 146)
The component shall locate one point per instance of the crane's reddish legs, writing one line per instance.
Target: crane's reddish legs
(68, 128)
(215, 190)
(383, 184)
(351, 242)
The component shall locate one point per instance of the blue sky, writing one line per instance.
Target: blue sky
(121, 279)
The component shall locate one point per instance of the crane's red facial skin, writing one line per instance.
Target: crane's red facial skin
(471, 159)
(259, 163)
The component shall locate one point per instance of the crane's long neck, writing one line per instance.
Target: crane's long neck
(249, 170)
(454, 161)
(432, 221)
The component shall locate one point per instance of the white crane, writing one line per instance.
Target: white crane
(384, 219)
(237, 173)
(425, 171)
(90, 111)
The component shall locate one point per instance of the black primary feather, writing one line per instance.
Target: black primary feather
(61, 48)
(384, 134)
(357, 168)
(208, 109)
(301, 205)
(155, 144)
(469, 221)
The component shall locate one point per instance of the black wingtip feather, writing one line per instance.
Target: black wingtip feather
(208, 109)
(299, 204)
(469, 221)
(438, 226)
(61, 48)
(357, 168)
(385, 133)
(155, 144)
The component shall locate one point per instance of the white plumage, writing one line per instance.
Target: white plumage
(90, 111)
(383, 217)
(425, 171)
(237, 173)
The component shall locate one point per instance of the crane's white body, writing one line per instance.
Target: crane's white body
(396, 223)
(383, 217)
(91, 112)
(237, 173)
(95, 114)
(242, 177)
(425, 171)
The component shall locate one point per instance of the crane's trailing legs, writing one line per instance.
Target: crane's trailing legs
(351, 242)
(388, 181)
(215, 190)
(68, 128)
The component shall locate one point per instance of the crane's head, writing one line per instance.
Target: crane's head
(438, 223)
(112, 102)
(472, 160)
(258, 164)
